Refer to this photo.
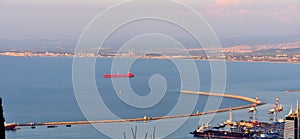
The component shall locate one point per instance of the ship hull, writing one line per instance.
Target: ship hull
(129, 75)
(10, 127)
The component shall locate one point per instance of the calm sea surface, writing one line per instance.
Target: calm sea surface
(38, 89)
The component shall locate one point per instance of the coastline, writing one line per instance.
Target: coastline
(168, 57)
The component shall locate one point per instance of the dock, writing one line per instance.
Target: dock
(159, 117)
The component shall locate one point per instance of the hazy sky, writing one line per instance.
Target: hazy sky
(65, 19)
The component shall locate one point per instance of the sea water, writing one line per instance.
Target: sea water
(40, 89)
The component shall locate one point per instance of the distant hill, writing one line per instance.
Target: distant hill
(258, 40)
(38, 45)
(69, 45)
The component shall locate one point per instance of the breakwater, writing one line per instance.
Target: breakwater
(145, 118)
(252, 100)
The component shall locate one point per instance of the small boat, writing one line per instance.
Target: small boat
(51, 126)
(252, 109)
(10, 126)
(129, 74)
(221, 125)
(271, 111)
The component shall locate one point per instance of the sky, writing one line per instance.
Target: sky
(66, 19)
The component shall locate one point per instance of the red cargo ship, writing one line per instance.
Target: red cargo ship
(129, 74)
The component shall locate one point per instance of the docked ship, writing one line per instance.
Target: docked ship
(129, 74)
(10, 126)
(242, 130)
(254, 129)
(207, 131)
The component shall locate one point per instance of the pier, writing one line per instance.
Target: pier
(223, 95)
(159, 117)
(292, 91)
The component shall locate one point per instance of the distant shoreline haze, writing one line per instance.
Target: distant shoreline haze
(69, 45)
(284, 50)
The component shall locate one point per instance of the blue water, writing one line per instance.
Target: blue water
(38, 89)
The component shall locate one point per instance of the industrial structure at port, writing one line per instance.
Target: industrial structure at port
(275, 128)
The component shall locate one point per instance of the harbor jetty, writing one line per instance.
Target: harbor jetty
(145, 118)
(223, 95)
